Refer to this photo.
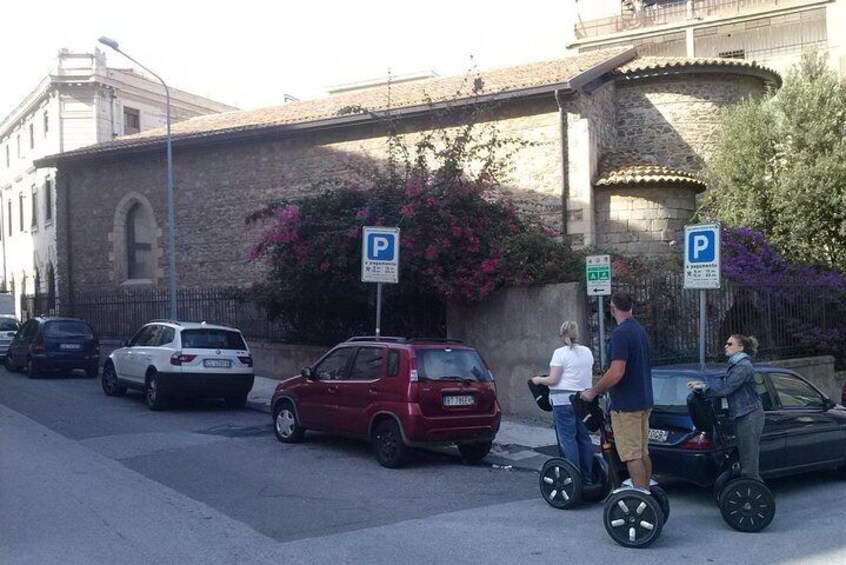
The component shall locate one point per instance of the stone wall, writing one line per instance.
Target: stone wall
(672, 120)
(218, 185)
(516, 334)
(643, 219)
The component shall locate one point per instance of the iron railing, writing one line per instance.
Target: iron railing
(789, 320)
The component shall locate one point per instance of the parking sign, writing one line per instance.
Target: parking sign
(380, 255)
(702, 256)
(598, 275)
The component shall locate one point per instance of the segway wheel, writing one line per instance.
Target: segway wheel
(664, 502)
(560, 483)
(747, 505)
(633, 518)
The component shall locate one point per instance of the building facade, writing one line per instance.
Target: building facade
(617, 144)
(773, 33)
(80, 102)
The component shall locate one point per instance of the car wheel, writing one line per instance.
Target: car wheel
(237, 401)
(474, 452)
(7, 362)
(285, 424)
(110, 384)
(155, 398)
(388, 446)
(31, 371)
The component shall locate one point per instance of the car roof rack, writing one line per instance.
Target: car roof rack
(435, 340)
(388, 338)
(160, 320)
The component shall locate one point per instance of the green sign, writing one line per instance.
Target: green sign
(598, 275)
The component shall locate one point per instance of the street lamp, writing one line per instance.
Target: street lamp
(171, 260)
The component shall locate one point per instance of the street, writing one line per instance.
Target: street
(85, 478)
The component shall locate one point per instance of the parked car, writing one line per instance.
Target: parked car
(396, 392)
(9, 326)
(167, 359)
(46, 344)
(803, 430)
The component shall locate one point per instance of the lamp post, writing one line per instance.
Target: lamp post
(171, 260)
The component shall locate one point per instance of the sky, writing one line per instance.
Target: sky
(251, 53)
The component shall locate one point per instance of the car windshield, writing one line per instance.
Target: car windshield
(670, 391)
(212, 339)
(451, 364)
(8, 325)
(68, 328)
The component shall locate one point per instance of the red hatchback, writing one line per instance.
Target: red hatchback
(397, 393)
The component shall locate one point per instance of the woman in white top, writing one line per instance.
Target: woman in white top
(570, 370)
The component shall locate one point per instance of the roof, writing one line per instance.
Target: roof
(642, 173)
(354, 107)
(642, 67)
(417, 97)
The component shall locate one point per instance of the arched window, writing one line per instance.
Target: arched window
(139, 243)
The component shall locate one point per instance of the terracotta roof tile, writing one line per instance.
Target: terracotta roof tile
(647, 64)
(378, 98)
(639, 173)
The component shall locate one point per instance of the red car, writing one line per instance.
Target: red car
(396, 392)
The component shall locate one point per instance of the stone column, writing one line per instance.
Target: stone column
(583, 157)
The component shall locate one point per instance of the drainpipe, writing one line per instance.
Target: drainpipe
(68, 309)
(565, 161)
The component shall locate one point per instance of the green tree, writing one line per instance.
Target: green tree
(780, 166)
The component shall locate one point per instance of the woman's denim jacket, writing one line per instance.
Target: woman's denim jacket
(738, 386)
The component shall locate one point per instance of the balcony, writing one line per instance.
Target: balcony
(678, 12)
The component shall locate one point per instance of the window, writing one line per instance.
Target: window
(131, 121)
(68, 328)
(139, 244)
(393, 362)
(48, 200)
(735, 54)
(145, 336)
(46, 123)
(9, 217)
(451, 364)
(34, 206)
(763, 392)
(212, 339)
(32, 136)
(334, 366)
(18, 144)
(795, 393)
(21, 211)
(368, 364)
(166, 336)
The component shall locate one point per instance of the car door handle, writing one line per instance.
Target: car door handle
(373, 392)
(332, 389)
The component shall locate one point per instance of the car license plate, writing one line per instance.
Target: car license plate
(217, 363)
(459, 400)
(69, 346)
(659, 436)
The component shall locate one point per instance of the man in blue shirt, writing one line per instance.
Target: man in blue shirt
(629, 379)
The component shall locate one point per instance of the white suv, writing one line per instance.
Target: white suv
(166, 359)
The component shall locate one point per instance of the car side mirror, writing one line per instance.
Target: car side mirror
(828, 404)
(306, 372)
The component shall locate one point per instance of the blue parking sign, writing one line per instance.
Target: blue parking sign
(380, 255)
(702, 256)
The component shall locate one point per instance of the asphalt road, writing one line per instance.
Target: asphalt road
(85, 478)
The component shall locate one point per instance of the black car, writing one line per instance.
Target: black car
(803, 431)
(46, 344)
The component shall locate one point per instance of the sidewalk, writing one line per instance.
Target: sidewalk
(518, 445)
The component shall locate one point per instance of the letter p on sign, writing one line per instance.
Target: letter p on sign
(702, 247)
(380, 247)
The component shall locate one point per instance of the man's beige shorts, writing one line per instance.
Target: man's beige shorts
(631, 433)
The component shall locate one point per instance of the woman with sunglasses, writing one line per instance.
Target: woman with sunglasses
(744, 404)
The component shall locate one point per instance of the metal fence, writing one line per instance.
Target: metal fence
(118, 314)
(788, 320)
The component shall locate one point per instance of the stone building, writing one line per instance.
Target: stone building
(81, 101)
(619, 141)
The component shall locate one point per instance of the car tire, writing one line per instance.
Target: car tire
(155, 398)
(31, 371)
(388, 446)
(474, 452)
(109, 382)
(236, 402)
(7, 362)
(286, 426)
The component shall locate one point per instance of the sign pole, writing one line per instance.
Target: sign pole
(702, 329)
(601, 333)
(378, 309)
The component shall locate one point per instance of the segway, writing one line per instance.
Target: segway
(747, 505)
(632, 517)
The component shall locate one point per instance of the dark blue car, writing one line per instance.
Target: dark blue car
(804, 430)
(47, 344)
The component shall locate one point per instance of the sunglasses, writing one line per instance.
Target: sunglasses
(729, 344)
